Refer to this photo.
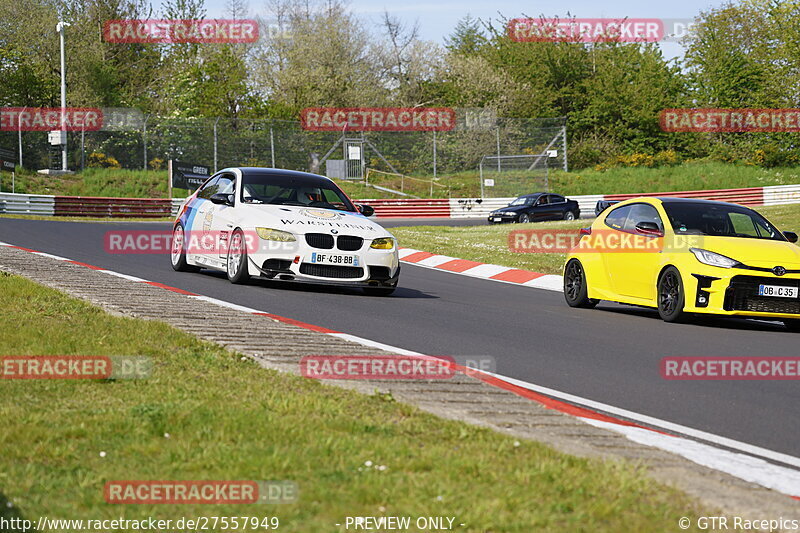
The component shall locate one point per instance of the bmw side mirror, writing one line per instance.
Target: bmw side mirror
(366, 210)
(222, 199)
(649, 228)
(790, 236)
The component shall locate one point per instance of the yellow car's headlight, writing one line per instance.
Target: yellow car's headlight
(384, 243)
(713, 259)
(269, 234)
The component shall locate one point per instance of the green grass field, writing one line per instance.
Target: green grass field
(688, 176)
(205, 414)
(489, 244)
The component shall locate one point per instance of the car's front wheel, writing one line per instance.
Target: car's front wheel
(237, 259)
(575, 288)
(178, 251)
(671, 296)
(524, 218)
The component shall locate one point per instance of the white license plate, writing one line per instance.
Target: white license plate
(777, 291)
(497, 219)
(335, 259)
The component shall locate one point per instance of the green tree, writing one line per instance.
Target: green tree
(467, 37)
(728, 57)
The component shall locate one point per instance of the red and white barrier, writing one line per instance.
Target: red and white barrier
(410, 208)
(48, 205)
(481, 207)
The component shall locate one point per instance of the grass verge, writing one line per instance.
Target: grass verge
(229, 419)
(489, 244)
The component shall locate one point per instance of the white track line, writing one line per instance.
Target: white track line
(656, 422)
(123, 276)
(51, 256)
(373, 344)
(225, 304)
(746, 467)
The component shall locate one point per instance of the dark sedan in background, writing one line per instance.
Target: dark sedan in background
(536, 207)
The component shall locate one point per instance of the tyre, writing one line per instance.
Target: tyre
(379, 291)
(524, 218)
(792, 324)
(237, 259)
(569, 215)
(671, 296)
(177, 254)
(575, 288)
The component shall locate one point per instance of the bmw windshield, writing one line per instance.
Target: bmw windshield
(297, 190)
(691, 218)
(522, 200)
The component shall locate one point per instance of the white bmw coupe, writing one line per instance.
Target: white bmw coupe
(283, 225)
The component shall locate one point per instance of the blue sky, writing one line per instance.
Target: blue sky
(437, 19)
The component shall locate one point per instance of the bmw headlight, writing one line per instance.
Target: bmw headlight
(383, 243)
(269, 234)
(713, 259)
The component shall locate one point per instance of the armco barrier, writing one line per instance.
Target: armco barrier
(410, 208)
(46, 205)
(782, 194)
(750, 196)
(80, 206)
(177, 203)
(26, 204)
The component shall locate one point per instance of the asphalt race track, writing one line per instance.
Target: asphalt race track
(610, 354)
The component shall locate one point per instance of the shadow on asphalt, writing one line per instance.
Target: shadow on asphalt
(719, 322)
(401, 292)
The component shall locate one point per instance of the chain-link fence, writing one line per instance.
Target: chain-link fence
(224, 142)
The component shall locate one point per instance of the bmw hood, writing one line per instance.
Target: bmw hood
(302, 220)
(509, 209)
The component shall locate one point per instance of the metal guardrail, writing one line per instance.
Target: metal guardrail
(26, 204)
(782, 194)
(80, 206)
(177, 203)
(747, 196)
(47, 205)
(410, 208)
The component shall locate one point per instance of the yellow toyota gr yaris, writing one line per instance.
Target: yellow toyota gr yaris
(687, 256)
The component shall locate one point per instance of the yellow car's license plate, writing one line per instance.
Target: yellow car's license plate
(777, 291)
